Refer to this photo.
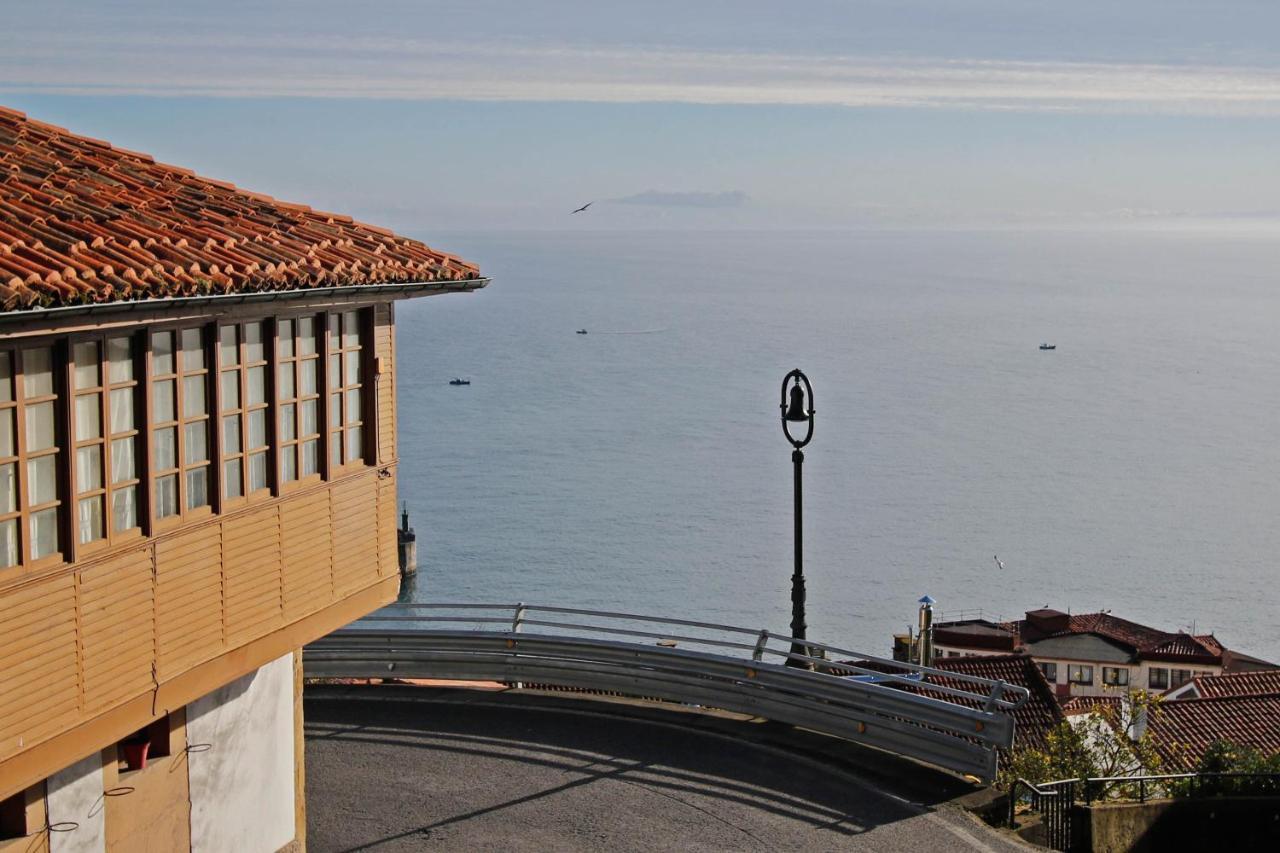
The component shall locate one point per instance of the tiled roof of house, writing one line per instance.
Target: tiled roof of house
(1038, 716)
(82, 222)
(1238, 684)
(1183, 729)
(1076, 705)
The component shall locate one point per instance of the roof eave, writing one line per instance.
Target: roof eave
(393, 290)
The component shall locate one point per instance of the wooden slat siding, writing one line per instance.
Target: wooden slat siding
(117, 635)
(388, 552)
(355, 535)
(307, 553)
(189, 599)
(38, 658)
(384, 341)
(251, 561)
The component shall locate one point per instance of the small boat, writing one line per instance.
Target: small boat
(459, 381)
(582, 331)
(1048, 346)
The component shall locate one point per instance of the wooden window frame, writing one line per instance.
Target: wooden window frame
(338, 423)
(179, 424)
(243, 410)
(289, 358)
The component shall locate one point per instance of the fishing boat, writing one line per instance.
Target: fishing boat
(459, 381)
(1048, 346)
(582, 331)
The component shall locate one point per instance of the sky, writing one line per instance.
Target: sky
(720, 114)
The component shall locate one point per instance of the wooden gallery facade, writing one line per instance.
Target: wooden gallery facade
(197, 477)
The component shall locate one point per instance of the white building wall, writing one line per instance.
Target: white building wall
(76, 808)
(242, 786)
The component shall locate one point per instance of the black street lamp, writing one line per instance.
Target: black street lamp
(795, 411)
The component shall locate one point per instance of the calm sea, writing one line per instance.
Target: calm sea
(641, 467)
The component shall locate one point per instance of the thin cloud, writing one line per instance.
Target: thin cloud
(415, 69)
(657, 198)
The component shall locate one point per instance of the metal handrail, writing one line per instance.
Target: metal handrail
(734, 669)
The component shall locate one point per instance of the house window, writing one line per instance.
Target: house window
(346, 409)
(13, 817)
(29, 456)
(298, 392)
(1115, 676)
(106, 438)
(1050, 671)
(1158, 678)
(180, 422)
(242, 357)
(1180, 677)
(1080, 674)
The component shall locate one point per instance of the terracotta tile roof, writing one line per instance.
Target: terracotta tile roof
(1182, 729)
(1077, 705)
(1038, 716)
(82, 222)
(1238, 684)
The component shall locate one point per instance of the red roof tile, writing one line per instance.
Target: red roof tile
(1183, 729)
(82, 222)
(1038, 716)
(1238, 684)
(1076, 705)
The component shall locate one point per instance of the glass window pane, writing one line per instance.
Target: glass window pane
(89, 519)
(167, 496)
(40, 430)
(8, 446)
(192, 349)
(350, 329)
(335, 449)
(8, 488)
(166, 449)
(231, 478)
(306, 336)
(161, 353)
(230, 390)
(37, 372)
(258, 428)
(308, 369)
(195, 445)
(124, 464)
(88, 416)
(89, 468)
(231, 434)
(288, 422)
(228, 346)
(333, 329)
(253, 349)
(285, 391)
(286, 338)
(194, 403)
(198, 488)
(162, 400)
(122, 410)
(85, 355)
(257, 471)
(289, 458)
(42, 479)
(310, 457)
(6, 378)
(353, 405)
(335, 370)
(310, 417)
(9, 543)
(124, 509)
(120, 356)
(335, 409)
(44, 533)
(256, 386)
(352, 362)
(354, 450)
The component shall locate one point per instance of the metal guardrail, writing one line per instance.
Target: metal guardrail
(943, 718)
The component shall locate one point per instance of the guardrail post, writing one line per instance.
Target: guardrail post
(517, 623)
(993, 698)
(760, 644)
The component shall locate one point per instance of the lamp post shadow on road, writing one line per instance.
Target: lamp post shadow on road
(797, 408)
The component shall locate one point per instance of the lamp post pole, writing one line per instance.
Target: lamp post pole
(797, 408)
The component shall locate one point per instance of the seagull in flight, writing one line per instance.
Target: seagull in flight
(584, 207)
(998, 563)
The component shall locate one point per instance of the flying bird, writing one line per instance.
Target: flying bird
(998, 563)
(584, 207)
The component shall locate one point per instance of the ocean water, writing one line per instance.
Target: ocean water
(642, 467)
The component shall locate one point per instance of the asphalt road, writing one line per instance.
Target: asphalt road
(411, 768)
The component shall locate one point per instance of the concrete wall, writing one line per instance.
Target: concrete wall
(1227, 823)
(242, 785)
(74, 796)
